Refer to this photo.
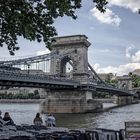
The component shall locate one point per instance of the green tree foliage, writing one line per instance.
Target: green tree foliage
(99, 95)
(135, 80)
(33, 19)
(19, 96)
(100, 5)
(113, 82)
(110, 81)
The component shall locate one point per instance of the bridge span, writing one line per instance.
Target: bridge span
(68, 92)
(14, 79)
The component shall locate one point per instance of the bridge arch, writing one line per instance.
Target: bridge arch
(64, 69)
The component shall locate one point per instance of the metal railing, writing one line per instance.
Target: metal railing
(17, 76)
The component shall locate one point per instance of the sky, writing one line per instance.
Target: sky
(114, 36)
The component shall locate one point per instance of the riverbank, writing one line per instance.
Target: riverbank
(106, 100)
(20, 100)
(34, 132)
(117, 106)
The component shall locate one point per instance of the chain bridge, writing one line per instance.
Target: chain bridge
(66, 74)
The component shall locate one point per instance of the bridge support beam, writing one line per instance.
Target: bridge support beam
(69, 102)
(124, 100)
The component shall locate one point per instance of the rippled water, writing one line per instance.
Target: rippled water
(113, 119)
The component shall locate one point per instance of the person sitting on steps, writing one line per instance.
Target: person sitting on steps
(50, 121)
(38, 120)
(8, 119)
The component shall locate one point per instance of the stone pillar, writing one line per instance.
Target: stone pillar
(69, 102)
(71, 49)
(124, 100)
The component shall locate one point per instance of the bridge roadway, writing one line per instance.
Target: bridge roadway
(18, 79)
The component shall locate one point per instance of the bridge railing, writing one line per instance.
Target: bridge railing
(10, 75)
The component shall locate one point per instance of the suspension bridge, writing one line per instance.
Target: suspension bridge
(66, 74)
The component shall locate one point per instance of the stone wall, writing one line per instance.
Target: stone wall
(69, 102)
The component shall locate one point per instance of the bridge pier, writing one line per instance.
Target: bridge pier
(66, 101)
(124, 100)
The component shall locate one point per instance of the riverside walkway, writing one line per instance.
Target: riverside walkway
(33, 132)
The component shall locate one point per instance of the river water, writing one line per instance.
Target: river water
(112, 119)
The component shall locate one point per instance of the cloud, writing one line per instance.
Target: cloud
(136, 57)
(133, 5)
(128, 51)
(108, 17)
(42, 52)
(120, 70)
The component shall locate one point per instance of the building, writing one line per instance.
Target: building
(124, 82)
(136, 72)
(105, 76)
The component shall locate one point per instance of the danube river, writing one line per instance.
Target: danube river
(112, 119)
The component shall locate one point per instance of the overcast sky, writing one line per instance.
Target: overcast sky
(114, 35)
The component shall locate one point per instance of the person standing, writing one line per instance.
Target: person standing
(38, 120)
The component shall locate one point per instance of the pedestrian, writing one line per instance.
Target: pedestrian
(8, 119)
(38, 120)
(50, 120)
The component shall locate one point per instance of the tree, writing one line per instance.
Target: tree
(135, 80)
(33, 19)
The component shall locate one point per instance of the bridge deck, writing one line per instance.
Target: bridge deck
(30, 80)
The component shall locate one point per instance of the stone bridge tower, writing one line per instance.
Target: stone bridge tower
(73, 50)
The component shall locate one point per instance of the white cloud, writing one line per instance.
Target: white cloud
(42, 52)
(133, 5)
(136, 57)
(128, 51)
(108, 17)
(120, 70)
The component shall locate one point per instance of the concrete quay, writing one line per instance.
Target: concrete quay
(32, 132)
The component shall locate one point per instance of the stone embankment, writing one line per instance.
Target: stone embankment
(32, 132)
(20, 100)
(105, 100)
